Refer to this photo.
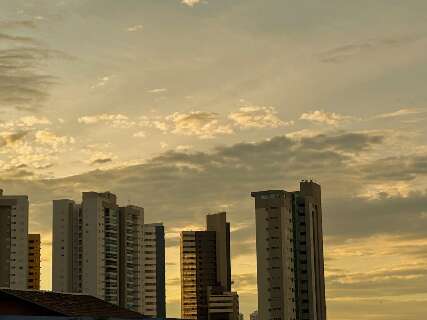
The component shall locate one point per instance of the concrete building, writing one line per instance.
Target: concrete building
(131, 261)
(67, 248)
(97, 249)
(206, 272)
(34, 246)
(218, 223)
(14, 241)
(223, 305)
(290, 254)
(254, 315)
(309, 260)
(100, 264)
(154, 287)
(198, 272)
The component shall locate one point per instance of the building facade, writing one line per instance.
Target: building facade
(206, 272)
(131, 261)
(154, 287)
(309, 260)
(254, 315)
(14, 241)
(67, 246)
(34, 248)
(289, 246)
(97, 249)
(198, 272)
(222, 305)
(218, 223)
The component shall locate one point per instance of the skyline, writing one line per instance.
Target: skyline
(186, 107)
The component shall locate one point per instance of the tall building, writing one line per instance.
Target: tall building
(131, 258)
(154, 287)
(67, 246)
(14, 241)
(222, 304)
(254, 315)
(100, 264)
(198, 272)
(206, 272)
(34, 246)
(94, 244)
(290, 254)
(218, 223)
(309, 260)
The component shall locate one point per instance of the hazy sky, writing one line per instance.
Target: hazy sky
(185, 107)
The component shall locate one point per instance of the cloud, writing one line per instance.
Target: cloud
(347, 51)
(397, 168)
(23, 84)
(158, 90)
(25, 122)
(400, 113)
(198, 123)
(257, 117)
(191, 3)
(102, 81)
(134, 28)
(10, 138)
(113, 120)
(14, 24)
(51, 139)
(330, 118)
(101, 161)
(140, 134)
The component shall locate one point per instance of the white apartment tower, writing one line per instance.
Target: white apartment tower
(100, 263)
(154, 290)
(67, 246)
(14, 241)
(289, 242)
(93, 244)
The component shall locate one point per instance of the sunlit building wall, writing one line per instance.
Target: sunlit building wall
(34, 247)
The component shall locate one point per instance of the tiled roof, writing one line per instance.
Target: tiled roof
(72, 305)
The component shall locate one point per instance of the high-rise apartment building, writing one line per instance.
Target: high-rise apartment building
(67, 246)
(206, 272)
(14, 241)
(97, 249)
(198, 272)
(34, 246)
(290, 254)
(254, 316)
(218, 223)
(154, 288)
(100, 263)
(131, 257)
(222, 305)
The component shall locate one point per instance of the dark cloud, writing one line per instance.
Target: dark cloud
(14, 24)
(23, 84)
(180, 187)
(101, 161)
(385, 283)
(352, 142)
(397, 168)
(361, 217)
(12, 138)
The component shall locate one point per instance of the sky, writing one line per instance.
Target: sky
(185, 107)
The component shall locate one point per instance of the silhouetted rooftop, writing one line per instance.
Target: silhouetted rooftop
(72, 305)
